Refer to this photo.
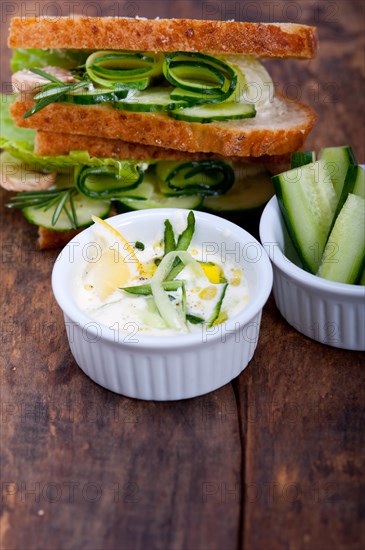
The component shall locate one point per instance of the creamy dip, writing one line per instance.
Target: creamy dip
(215, 289)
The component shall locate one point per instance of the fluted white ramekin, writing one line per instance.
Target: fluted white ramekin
(166, 367)
(331, 313)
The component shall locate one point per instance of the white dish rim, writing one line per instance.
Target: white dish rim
(73, 312)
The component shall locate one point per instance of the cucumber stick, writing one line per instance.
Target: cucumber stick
(359, 181)
(338, 159)
(308, 201)
(354, 183)
(301, 158)
(84, 207)
(344, 254)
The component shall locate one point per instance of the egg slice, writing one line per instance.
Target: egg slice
(113, 264)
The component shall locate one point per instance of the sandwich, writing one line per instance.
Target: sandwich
(138, 113)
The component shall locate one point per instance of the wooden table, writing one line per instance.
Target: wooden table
(273, 460)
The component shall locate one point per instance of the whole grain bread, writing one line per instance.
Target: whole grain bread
(165, 35)
(281, 130)
(51, 143)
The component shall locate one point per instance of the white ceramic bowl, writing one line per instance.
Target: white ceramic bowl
(331, 313)
(166, 367)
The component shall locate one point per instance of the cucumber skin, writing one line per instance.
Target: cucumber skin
(319, 231)
(288, 224)
(359, 187)
(205, 120)
(351, 179)
(301, 158)
(326, 269)
(338, 155)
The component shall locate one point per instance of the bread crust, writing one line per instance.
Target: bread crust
(165, 35)
(225, 138)
(50, 143)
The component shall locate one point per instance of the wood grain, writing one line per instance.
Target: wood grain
(274, 460)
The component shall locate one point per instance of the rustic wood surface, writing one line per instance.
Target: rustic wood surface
(274, 460)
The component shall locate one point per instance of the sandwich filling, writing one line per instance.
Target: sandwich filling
(62, 192)
(189, 86)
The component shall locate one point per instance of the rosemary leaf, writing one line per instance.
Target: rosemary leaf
(59, 207)
(46, 75)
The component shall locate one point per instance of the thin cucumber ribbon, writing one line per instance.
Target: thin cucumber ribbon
(195, 78)
(173, 317)
(106, 182)
(126, 69)
(199, 78)
(208, 177)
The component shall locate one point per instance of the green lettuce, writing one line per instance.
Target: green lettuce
(19, 143)
(11, 132)
(36, 57)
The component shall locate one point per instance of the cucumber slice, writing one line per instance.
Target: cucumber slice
(344, 256)
(338, 160)
(155, 99)
(249, 192)
(192, 98)
(213, 111)
(94, 96)
(301, 158)
(157, 200)
(143, 192)
(307, 202)
(85, 208)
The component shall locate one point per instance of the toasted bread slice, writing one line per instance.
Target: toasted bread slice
(51, 143)
(165, 35)
(281, 129)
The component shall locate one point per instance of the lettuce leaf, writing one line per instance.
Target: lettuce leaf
(10, 132)
(19, 142)
(36, 57)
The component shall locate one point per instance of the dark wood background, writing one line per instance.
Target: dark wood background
(274, 460)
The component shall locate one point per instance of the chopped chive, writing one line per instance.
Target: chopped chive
(169, 239)
(139, 245)
(194, 319)
(145, 290)
(184, 239)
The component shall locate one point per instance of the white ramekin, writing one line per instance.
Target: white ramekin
(171, 367)
(331, 313)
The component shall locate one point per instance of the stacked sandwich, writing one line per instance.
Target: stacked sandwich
(117, 114)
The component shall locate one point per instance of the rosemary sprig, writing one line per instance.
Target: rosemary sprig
(62, 200)
(45, 75)
(52, 92)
